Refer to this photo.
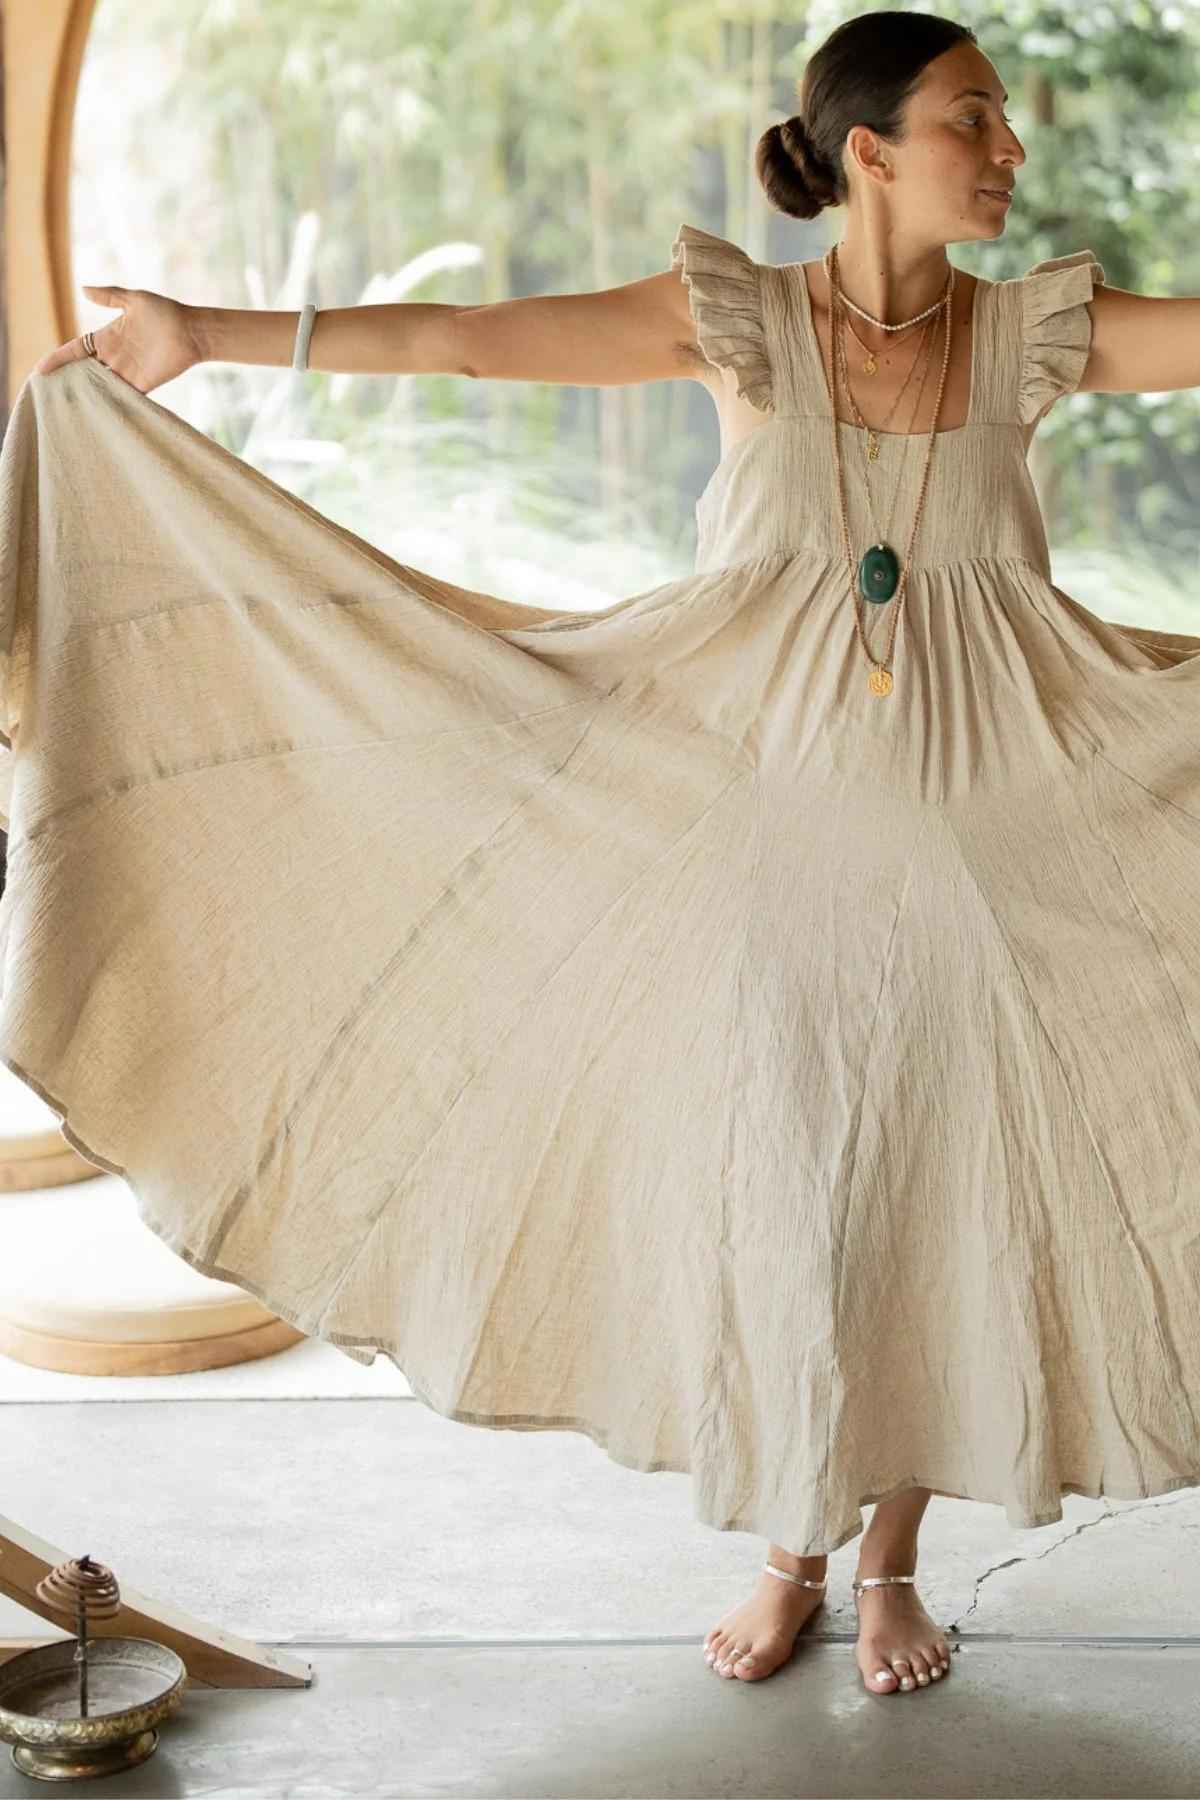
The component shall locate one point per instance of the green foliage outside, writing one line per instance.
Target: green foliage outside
(268, 153)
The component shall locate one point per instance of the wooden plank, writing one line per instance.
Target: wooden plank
(213, 1658)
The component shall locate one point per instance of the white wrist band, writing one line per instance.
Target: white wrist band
(303, 333)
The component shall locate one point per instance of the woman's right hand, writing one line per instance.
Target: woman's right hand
(154, 339)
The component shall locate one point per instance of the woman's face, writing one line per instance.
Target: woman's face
(959, 144)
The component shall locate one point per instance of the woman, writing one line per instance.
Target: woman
(755, 1024)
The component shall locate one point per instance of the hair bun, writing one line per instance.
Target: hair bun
(807, 157)
(795, 135)
(796, 178)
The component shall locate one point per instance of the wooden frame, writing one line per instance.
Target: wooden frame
(44, 45)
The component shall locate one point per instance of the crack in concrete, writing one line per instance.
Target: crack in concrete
(1040, 1556)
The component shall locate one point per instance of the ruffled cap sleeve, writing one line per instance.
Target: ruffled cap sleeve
(726, 305)
(1056, 330)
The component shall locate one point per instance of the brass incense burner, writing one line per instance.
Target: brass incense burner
(81, 1708)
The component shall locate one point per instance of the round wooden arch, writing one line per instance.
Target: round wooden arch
(44, 44)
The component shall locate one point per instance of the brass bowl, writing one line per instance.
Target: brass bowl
(133, 1683)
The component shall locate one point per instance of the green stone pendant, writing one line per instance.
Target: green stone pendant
(879, 573)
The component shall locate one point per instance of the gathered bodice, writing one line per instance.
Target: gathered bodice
(775, 491)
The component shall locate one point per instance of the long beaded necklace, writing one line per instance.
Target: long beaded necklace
(879, 575)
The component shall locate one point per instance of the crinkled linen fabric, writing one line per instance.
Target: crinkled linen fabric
(625, 1021)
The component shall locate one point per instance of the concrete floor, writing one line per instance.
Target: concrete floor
(511, 1614)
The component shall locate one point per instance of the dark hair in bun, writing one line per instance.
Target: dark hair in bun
(863, 74)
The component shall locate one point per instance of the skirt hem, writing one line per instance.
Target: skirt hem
(364, 1351)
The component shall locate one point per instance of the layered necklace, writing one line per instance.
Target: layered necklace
(879, 575)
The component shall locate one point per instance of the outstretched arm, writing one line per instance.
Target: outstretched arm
(1142, 343)
(641, 331)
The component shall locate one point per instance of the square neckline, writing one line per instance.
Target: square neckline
(813, 348)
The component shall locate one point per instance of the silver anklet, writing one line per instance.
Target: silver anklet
(800, 1580)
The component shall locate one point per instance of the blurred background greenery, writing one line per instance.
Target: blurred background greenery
(265, 153)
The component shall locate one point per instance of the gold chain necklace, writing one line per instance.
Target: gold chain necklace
(879, 573)
(871, 366)
(872, 450)
(872, 431)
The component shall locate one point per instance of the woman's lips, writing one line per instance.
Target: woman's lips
(997, 194)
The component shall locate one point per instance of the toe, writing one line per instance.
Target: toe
(920, 1668)
(903, 1669)
(883, 1680)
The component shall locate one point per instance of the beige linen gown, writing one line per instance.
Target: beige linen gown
(626, 1021)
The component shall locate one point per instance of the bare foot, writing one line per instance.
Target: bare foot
(897, 1639)
(755, 1638)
